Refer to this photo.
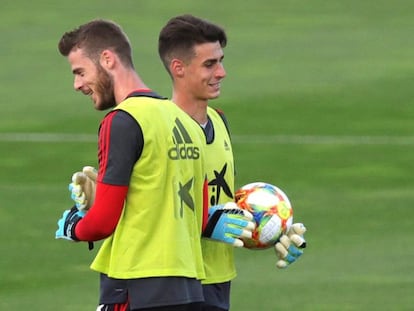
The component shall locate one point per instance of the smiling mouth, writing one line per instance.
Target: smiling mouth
(215, 85)
(87, 92)
(90, 94)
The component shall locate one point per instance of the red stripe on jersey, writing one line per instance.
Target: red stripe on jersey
(115, 307)
(121, 307)
(219, 111)
(205, 203)
(104, 143)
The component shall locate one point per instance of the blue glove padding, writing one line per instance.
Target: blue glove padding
(228, 223)
(290, 246)
(67, 224)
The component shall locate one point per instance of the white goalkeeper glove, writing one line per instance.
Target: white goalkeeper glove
(229, 224)
(82, 188)
(290, 246)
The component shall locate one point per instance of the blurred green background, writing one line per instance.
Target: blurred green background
(320, 100)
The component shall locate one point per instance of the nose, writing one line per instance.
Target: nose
(77, 83)
(221, 72)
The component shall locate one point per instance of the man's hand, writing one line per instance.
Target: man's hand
(67, 224)
(229, 224)
(82, 187)
(290, 246)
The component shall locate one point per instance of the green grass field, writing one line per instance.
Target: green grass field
(320, 99)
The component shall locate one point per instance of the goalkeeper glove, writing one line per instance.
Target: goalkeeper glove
(290, 246)
(67, 224)
(229, 224)
(83, 187)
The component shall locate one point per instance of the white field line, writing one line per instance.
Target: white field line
(242, 139)
(48, 137)
(323, 140)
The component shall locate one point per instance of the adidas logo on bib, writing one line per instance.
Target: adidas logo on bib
(184, 148)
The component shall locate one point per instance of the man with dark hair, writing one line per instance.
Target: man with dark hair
(191, 50)
(148, 202)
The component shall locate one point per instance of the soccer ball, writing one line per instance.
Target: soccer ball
(271, 210)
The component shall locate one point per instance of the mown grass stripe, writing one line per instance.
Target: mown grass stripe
(244, 139)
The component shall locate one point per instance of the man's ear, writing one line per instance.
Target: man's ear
(177, 68)
(107, 59)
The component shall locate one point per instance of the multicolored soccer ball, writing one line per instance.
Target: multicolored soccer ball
(271, 210)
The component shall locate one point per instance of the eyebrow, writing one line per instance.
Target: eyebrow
(214, 60)
(76, 71)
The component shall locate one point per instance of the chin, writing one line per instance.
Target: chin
(215, 95)
(99, 106)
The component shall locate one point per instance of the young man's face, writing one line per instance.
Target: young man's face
(92, 80)
(203, 75)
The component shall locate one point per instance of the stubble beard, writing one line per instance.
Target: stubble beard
(105, 90)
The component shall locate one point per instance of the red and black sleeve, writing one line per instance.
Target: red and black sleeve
(120, 146)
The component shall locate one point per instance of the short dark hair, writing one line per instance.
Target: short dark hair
(96, 36)
(181, 33)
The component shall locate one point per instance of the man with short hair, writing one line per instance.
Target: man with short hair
(149, 198)
(191, 50)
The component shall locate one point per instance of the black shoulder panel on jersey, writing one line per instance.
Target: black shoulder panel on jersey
(223, 117)
(146, 94)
